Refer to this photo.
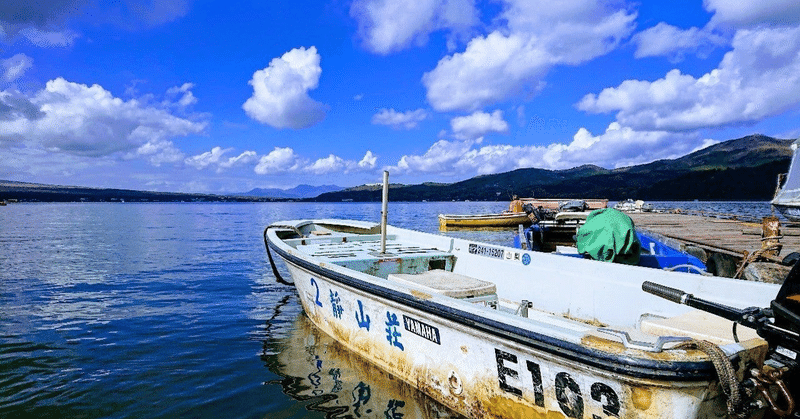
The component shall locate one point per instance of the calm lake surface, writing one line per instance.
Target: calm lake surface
(172, 311)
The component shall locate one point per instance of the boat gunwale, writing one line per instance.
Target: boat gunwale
(631, 366)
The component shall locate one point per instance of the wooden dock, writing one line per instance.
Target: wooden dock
(723, 241)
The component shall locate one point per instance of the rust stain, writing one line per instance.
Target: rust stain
(464, 349)
(614, 346)
(642, 397)
(508, 408)
(421, 295)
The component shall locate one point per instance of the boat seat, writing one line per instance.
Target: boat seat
(698, 325)
(451, 285)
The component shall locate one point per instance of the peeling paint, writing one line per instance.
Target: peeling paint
(421, 295)
(642, 398)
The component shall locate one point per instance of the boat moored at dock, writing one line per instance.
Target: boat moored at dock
(507, 219)
(787, 196)
(498, 332)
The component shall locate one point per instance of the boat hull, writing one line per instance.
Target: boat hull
(792, 213)
(483, 220)
(484, 376)
(483, 361)
(554, 203)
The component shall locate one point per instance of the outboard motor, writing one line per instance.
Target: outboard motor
(778, 381)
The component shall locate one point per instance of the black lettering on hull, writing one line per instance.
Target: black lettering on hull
(568, 394)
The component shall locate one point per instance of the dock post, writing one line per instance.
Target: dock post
(384, 210)
(771, 236)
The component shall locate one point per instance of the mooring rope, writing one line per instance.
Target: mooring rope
(755, 255)
(275, 272)
(725, 372)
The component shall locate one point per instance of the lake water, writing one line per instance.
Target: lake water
(172, 311)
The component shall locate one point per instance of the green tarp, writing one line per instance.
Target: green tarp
(609, 235)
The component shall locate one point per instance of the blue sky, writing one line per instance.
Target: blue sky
(218, 97)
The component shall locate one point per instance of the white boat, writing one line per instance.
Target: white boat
(787, 197)
(499, 332)
(629, 205)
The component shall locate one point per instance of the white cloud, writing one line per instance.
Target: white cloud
(759, 78)
(399, 120)
(752, 14)
(246, 157)
(16, 66)
(280, 92)
(440, 158)
(85, 120)
(512, 61)
(279, 160)
(478, 124)
(369, 160)
(285, 160)
(336, 164)
(389, 26)
(158, 152)
(668, 40)
(617, 147)
(329, 164)
(201, 161)
(185, 92)
(216, 158)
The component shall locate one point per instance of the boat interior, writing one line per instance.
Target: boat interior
(438, 267)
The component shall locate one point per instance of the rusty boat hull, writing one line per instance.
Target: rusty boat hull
(496, 332)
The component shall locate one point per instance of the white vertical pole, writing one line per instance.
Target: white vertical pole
(384, 210)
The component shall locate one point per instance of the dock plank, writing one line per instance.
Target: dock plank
(735, 235)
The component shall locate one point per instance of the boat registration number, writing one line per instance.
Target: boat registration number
(487, 251)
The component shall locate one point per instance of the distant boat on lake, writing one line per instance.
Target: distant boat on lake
(508, 219)
(787, 197)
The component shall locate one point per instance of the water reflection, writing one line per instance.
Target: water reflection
(331, 379)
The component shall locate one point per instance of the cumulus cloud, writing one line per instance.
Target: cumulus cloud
(752, 14)
(285, 160)
(336, 164)
(389, 26)
(330, 164)
(728, 17)
(478, 124)
(759, 78)
(618, 146)
(440, 158)
(280, 92)
(88, 121)
(668, 40)
(201, 161)
(512, 61)
(187, 98)
(216, 158)
(369, 160)
(399, 120)
(279, 160)
(158, 152)
(16, 66)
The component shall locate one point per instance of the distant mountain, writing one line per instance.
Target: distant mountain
(741, 169)
(298, 192)
(32, 192)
